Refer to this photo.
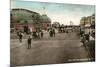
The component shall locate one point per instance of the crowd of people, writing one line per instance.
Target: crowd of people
(86, 37)
(88, 41)
(37, 34)
(52, 32)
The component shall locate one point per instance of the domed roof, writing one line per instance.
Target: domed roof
(24, 15)
(45, 18)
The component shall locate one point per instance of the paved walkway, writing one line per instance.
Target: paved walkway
(60, 49)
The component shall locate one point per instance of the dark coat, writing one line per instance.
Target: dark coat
(29, 40)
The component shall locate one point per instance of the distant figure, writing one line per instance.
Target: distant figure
(30, 30)
(38, 34)
(29, 42)
(87, 37)
(83, 40)
(53, 31)
(66, 30)
(34, 34)
(93, 34)
(20, 34)
(41, 34)
(81, 33)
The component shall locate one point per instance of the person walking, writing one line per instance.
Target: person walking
(20, 36)
(41, 34)
(29, 42)
(53, 31)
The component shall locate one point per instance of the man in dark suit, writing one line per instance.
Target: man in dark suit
(29, 42)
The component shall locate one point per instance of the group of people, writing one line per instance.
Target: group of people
(38, 34)
(87, 37)
(33, 35)
(52, 32)
(88, 41)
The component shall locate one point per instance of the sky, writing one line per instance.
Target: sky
(58, 12)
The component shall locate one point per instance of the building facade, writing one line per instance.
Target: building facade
(23, 17)
(87, 24)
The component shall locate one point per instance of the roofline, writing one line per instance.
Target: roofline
(15, 9)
